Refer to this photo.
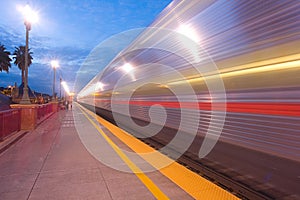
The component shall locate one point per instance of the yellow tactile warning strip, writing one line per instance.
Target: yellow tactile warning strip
(195, 185)
(138, 172)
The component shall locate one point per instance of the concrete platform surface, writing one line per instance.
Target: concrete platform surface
(50, 162)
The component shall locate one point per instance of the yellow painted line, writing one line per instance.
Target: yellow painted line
(195, 185)
(281, 63)
(138, 172)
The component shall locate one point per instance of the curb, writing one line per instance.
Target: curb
(15, 137)
(4, 145)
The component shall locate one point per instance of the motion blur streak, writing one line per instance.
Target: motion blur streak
(253, 47)
(66, 88)
(239, 71)
(292, 109)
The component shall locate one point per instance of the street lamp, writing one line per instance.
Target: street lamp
(29, 17)
(54, 64)
(63, 92)
(60, 80)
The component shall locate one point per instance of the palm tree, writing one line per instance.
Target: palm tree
(4, 59)
(19, 59)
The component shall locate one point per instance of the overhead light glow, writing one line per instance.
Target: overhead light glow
(66, 88)
(127, 67)
(54, 64)
(188, 31)
(193, 45)
(30, 15)
(99, 85)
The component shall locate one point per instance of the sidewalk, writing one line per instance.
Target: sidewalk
(51, 163)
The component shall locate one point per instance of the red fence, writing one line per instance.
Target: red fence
(44, 110)
(10, 121)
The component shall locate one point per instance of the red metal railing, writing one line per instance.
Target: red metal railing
(10, 121)
(44, 110)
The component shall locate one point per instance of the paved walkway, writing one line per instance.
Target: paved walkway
(51, 163)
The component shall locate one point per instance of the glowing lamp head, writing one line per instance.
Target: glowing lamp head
(30, 16)
(54, 64)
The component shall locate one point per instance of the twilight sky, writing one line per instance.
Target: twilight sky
(68, 30)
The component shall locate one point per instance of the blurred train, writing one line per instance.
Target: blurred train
(233, 64)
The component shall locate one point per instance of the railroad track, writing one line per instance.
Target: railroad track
(237, 188)
(243, 186)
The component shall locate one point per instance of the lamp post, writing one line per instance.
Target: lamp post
(63, 92)
(54, 64)
(60, 80)
(29, 17)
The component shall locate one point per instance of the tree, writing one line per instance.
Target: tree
(19, 59)
(4, 59)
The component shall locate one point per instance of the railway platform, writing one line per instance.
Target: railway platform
(53, 162)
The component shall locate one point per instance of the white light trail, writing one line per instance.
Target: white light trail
(66, 88)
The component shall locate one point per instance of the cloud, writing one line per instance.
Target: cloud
(10, 37)
(40, 72)
(68, 31)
